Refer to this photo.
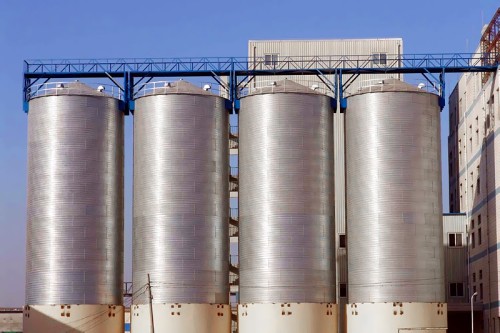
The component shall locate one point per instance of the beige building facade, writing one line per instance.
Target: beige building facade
(474, 169)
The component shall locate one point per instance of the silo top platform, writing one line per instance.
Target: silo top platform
(389, 85)
(180, 87)
(75, 88)
(283, 86)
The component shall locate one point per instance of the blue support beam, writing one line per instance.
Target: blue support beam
(442, 90)
(234, 68)
(342, 99)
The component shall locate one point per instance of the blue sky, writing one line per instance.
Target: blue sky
(162, 28)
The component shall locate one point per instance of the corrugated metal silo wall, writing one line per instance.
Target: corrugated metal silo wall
(75, 201)
(181, 199)
(311, 49)
(286, 199)
(394, 206)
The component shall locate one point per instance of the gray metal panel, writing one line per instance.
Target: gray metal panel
(394, 205)
(181, 199)
(286, 199)
(75, 201)
(455, 257)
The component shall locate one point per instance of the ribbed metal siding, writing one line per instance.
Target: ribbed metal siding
(181, 199)
(455, 257)
(394, 205)
(326, 47)
(75, 201)
(286, 199)
(310, 49)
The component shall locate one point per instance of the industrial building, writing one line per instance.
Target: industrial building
(473, 169)
(320, 159)
(11, 320)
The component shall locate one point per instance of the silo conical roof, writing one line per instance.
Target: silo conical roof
(71, 88)
(180, 87)
(283, 86)
(389, 85)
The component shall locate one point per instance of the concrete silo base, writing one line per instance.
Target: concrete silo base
(73, 318)
(287, 317)
(397, 317)
(185, 318)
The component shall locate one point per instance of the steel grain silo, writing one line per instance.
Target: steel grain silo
(286, 253)
(75, 211)
(181, 209)
(394, 209)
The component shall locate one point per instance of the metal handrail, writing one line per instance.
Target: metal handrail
(234, 130)
(389, 83)
(151, 88)
(234, 260)
(314, 85)
(234, 172)
(207, 64)
(217, 63)
(234, 213)
(68, 87)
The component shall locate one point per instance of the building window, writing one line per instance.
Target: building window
(473, 277)
(480, 274)
(472, 224)
(477, 130)
(478, 186)
(343, 290)
(271, 59)
(474, 290)
(473, 240)
(457, 289)
(342, 241)
(455, 240)
(480, 291)
(479, 237)
(379, 58)
(479, 219)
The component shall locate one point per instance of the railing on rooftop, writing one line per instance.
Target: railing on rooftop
(234, 173)
(233, 213)
(68, 87)
(152, 88)
(233, 260)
